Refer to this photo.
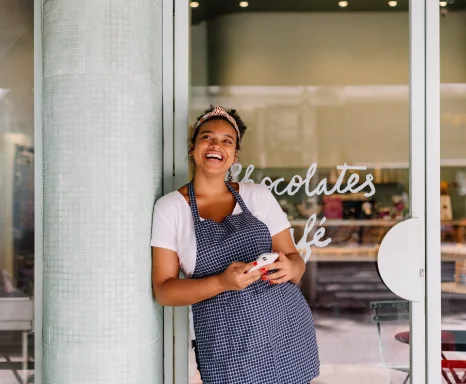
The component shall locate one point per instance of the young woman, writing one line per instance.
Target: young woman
(249, 327)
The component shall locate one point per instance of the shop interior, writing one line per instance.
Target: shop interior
(316, 82)
(16, 191)
(327, 84)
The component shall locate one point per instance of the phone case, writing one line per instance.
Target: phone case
(264, 259)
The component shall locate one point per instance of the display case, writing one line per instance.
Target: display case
(343, 273)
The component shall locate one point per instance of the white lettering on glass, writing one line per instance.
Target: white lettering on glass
(303, 246)
(353, 185)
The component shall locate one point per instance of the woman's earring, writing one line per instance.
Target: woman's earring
(230, 177)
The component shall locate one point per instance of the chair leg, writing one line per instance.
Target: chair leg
(452, 371)
(382, 355)
(446, 377)
(407, 378)
(25, 355)
(463, 380)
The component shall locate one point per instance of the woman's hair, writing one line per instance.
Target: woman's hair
(232, 112)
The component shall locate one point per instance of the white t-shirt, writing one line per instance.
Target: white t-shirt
(173, 225)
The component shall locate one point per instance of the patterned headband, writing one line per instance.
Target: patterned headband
(218, 111)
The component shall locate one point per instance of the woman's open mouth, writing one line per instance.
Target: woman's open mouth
(214, 157)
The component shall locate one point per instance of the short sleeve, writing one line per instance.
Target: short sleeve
(163, 230)
(275, 218)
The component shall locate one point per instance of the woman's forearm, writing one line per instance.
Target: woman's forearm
(300, 266)
(181, 292)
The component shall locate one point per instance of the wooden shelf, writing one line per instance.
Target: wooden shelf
(348, 223)
(366, 223)
(450, 252)
(461, 223)
(453, 287)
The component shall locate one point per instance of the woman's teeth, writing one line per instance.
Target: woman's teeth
(214, 156)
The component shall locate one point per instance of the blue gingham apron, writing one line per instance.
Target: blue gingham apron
(262, 334)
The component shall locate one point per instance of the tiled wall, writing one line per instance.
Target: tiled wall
(102, 153)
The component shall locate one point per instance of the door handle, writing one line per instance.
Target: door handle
(400, 262)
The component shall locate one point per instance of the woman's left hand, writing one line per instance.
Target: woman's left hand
(285, 270)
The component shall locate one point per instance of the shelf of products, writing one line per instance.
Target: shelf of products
(450, 252)
(369, 223)
(344, 273)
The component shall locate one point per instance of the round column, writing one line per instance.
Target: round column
(102, 171)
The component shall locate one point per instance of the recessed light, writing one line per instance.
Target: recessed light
(343, 4)
(443, 3)
(243, 4)
(392, 3)
(193, 4)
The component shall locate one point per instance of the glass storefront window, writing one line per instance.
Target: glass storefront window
(16, 190)
(325, 95)
(452, 191)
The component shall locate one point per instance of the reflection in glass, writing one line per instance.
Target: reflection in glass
(452, 191)
(16, 190)
(319, 90)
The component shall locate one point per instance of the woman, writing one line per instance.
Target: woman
(251, 327)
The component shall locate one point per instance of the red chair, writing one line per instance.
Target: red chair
(449, 344)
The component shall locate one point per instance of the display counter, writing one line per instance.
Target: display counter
(17, 314)
(362, 252)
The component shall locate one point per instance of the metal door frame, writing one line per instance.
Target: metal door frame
(425, 322)
(175, 63)
(433, 310)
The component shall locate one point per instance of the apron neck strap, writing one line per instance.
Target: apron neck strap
(193, 203)
(237, 197)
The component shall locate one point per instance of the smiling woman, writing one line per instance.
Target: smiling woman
(215, 145)
(214, 230)
(216, 125)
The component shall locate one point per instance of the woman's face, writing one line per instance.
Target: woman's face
(215, 148)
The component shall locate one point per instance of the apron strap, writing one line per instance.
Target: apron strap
(238, 198)
(193, 203)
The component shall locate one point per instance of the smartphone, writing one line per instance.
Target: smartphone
(264, 259)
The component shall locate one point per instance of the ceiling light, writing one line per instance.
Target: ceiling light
(343, 4)
(443, 3)
(193, 4)
(243, 4)
(392, 3)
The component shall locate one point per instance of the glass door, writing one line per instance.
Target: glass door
(333, 94)
(450, 220)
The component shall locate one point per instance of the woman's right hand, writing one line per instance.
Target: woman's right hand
(236, 277)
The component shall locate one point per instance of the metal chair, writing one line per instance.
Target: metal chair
(17, 314)
(390, 311)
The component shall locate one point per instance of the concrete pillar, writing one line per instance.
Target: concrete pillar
(102, 170)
